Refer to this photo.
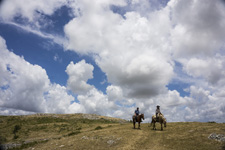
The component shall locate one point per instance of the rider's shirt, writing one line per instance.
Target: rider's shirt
(157, 111)
(137, 112)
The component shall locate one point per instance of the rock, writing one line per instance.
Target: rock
(218, 137)
(85, 137)
(110, 142)
(9, 146)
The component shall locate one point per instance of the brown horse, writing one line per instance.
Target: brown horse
(161, 120)
(139, 117)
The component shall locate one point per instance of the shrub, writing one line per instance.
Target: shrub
(98, 128)
(211, 122)
(74, 133)
(15, 136)
(79, 128)
(16, 129)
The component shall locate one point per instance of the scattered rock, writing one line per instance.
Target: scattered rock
(119, 138)
(110, 142)
(85, 138)
(218, 137)
(90, 116)
(9, 146)
(61, 146)
(191, 131)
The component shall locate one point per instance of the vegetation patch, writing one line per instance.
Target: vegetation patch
(98, 128)
(74, 133)
(2, 140)
(211, 122)
(16, 129)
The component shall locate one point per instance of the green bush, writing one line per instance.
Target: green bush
(74, 133)
(211, 122)
(16, 129)
(98, 128)
(15, 136)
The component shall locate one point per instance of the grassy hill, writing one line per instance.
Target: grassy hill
(86, 131)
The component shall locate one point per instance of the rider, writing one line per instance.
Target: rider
(136, 113)
(157, 111)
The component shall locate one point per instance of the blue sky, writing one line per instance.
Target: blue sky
(109, 57)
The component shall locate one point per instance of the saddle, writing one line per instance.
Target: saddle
(157, 117)
(135, 117)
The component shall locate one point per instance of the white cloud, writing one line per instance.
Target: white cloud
(58, 100)
(26, 87)
(198, 28)
(138, 52)
(25, 82)
(79, 74)
(10, 111)
(96, 102)
(130, 51)
(31, 10)
(211, 69)
(114, 93)
(32, 16)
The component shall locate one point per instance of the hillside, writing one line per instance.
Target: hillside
(87, 131)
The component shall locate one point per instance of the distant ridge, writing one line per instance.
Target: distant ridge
(77, 116)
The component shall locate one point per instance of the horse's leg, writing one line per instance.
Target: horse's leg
(161, 127)
(134, 124)
(138, 125)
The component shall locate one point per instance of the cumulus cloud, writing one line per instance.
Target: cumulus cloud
(129, 50)
(31, 10)
(114, 93)
(198, 28)
(58, 100)
(96, 102)
(26, 87)
(139, 51)
(211, 69)
(22, 83)
(79, 74)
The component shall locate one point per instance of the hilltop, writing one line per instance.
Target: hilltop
(90, 131)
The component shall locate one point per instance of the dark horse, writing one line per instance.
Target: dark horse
(139, 117)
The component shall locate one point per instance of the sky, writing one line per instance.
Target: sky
(109, 57)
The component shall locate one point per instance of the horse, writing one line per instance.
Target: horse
(139, 117)
(161, 119)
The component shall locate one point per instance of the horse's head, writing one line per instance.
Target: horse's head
(164, 122)
(142, 116)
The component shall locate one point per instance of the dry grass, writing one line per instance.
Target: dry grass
(76, 132)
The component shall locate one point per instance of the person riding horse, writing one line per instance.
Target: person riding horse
(157, 111)
(136, 113)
